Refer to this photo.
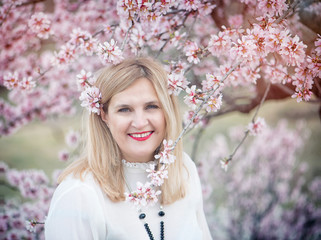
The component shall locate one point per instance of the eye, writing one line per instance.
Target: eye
(123, 110)
(152, 106)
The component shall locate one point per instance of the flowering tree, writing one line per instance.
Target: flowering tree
(217, 54)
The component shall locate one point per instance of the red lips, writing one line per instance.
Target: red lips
(141, 136)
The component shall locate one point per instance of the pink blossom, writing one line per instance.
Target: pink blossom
(66, 55)
(143, 196)
(224, 164)
(91, 98)
(157, 177)
(257, 126)
(196, 121)
(27, 83)
(276, 73)
(3, 168)
(178, 67)
(302, 94)
(244, 49)
(176, 83)
(190, 5)
(314, 64)
(165, 156)
(109, 52)
(206, 8)
(11, 80)
(219, 44)
(214, 103)
(63, 155)
(72, 139)
(272, 7)
(292, 50)
(31, 226)
(191, 50)
(78, 36)
(89, 46)
(317, 44)
(176, 38)
(192, 97)
(212, 82)
(40, 25)
(85, 79)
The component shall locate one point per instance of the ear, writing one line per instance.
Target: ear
(103, 115)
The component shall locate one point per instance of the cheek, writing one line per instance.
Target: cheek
(117, 126)
(161, 123)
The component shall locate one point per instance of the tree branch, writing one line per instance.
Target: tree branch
(204, 101)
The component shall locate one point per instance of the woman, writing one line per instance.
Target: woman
(137, 114)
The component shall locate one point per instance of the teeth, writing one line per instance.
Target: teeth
(140, 135)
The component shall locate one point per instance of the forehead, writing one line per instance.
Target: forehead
(140, 91)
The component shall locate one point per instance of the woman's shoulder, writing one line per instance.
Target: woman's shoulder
(75, 187)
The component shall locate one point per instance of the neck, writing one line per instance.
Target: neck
(138, 159)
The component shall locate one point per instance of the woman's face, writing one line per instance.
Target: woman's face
(136, 121)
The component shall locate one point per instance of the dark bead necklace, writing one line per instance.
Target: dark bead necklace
(161, 213)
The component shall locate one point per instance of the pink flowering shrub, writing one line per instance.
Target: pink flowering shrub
(264, 193)
(16, 215)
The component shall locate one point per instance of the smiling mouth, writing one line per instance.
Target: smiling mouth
(142, 136)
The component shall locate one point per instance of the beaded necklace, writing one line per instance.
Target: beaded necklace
(142, 216)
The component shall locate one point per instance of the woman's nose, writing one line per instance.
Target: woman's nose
(140, 120)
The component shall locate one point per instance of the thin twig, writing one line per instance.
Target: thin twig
(162, 48)
(253, 120)
(7, 13)
(126, 36)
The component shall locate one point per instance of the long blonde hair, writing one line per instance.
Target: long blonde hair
(103, 157)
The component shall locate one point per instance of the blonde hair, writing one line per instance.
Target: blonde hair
(103, 157)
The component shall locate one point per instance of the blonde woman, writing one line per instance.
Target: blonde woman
(137, 114)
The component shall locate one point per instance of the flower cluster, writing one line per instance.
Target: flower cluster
(192, 50)
(91, 99)
(145, 193)
(90, 96)
(12, 81)
(40, 25)
(176, 83)
(157, 176)
(109, 52)
(165, 156)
